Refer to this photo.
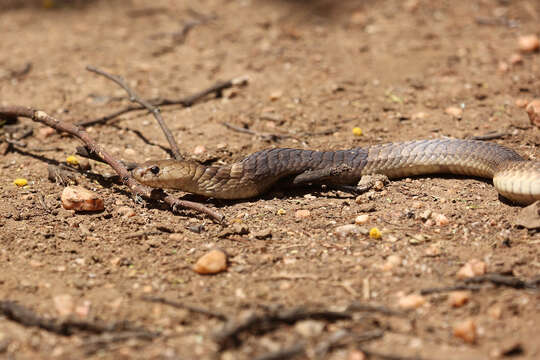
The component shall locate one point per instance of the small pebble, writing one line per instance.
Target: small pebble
(440, 219)
(213, 262)
(454, 111)
(356, 355)
(529, 43)
(302, 214)
(459, 298)
(358, 18)
(495, 311)
(199, 149)
(176, 237)
(361, 219)
(378, 185)
(45, 132)
(84, 164)
(413, 301)
(425, 215)
(80, 199)
(516, 59)
(502, 67)
(391, 263)
(125, 211)
(63, 304)
(411, 5)
(522, 103)
(466, 330)
(35, 263)
(471, 269)
(281, 212)
(83, 309)
(263, 234)
(347, 230)
(309, 328)
(533, 110)
(433, 250)
(275, 95)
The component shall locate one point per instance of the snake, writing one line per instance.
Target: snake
(515, 178)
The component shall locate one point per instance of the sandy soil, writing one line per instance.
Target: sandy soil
(317, 69)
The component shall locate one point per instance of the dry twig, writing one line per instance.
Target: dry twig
(28, 318)
(134, 186)
(284, 354)
(264, 136)
(495, 279)
(268, 322)
(489, 136)
(187, 101)
(133, 97)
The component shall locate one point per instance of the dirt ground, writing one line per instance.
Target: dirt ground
(316, 70)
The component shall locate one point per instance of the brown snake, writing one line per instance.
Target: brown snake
(514, 177)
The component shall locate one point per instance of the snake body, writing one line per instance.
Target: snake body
(514, 177)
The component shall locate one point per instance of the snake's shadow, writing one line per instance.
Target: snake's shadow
(427, 177)
(287, 190)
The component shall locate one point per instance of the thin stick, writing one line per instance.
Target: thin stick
(133, 97)
(229, 336)
(474, 283)
(489, 136)
(28, 318)
(191, 308)
(134, 186)
(187, 101)
(264, 136)
(284, 354)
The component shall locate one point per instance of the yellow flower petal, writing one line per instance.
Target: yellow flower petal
(357, 131)
(20, 182)
(72, 160)
(375, 233)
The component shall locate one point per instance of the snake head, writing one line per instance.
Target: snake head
(172, 174)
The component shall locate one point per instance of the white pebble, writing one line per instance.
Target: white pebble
(361, 219)
(80, 199)
(412, 301)
(471, 269)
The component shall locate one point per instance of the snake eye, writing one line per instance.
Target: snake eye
(154, 170)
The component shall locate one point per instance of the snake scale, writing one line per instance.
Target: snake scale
(514, 177)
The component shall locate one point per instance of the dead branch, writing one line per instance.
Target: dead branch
(264, 136)
(284, 354)
(505, 280)
(18, 73)
(494, 278)
(187, 101)
(134, 186)
(437, 290)
(377, 355)
(28, 318)
(85, 153)
(268, 322)
(489, 136)
(359, 307)
(133, 97)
